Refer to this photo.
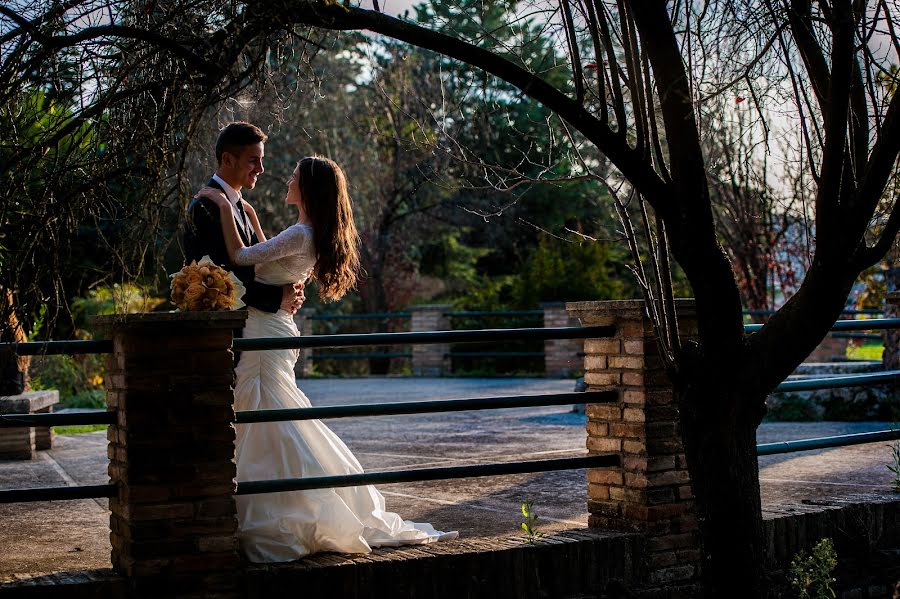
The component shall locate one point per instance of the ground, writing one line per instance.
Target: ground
(71, 535)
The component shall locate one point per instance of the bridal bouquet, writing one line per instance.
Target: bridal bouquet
(205, 286)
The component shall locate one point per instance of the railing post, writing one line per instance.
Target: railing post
(561, 357)
(171, 452)
(304, 364)
(430, 359)
(651, 493)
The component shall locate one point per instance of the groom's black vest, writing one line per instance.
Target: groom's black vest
(203, 237)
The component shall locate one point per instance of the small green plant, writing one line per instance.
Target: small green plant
(894, 466)
(532, 534)
(810, 574)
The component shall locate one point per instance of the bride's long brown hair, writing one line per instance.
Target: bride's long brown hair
(326, 201)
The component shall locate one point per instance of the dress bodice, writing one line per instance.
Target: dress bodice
(287, 258)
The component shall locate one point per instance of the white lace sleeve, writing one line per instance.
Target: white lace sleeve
(288, 242)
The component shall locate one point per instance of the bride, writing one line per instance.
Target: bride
(277, 527)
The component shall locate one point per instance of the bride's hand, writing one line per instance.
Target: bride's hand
(216, 195)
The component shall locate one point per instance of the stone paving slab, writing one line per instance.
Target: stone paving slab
(56, 536)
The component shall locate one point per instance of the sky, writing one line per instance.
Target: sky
(391, 7)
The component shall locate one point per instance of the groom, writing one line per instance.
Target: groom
(239, 154)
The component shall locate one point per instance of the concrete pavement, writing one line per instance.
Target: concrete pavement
(56, 536)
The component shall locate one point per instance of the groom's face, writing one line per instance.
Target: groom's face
(247, 166)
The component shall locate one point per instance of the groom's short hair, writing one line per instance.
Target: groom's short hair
(236, 135)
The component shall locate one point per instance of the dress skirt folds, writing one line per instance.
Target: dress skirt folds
(278, 527)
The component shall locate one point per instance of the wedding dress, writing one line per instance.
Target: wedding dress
(277, 527)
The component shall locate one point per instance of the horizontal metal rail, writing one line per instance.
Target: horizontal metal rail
(426, 407)
(59, 419)
(495, 354)
(451, 472)
(423, 337)
(770, 312)
(872, 324)
(56, 348)
(872, 336)
(826, 442)
(57, 493)
(484, 313)
(367, 316)
(834, 382)
(423, 474)
(105, 346)
(357, 356)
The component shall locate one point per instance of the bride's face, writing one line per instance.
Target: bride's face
(293, 192)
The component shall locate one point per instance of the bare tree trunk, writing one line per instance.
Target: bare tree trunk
(720, 446)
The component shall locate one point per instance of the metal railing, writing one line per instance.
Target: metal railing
(420, 407)
(848, 325)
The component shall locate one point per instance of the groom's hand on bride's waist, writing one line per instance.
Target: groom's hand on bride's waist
(292, 297)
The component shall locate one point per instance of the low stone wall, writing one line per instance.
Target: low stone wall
(866, 535)
(577, 563)
(572, 564)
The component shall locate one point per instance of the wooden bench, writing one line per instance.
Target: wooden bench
(20, 443)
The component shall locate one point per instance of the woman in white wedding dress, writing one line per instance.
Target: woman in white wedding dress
(277, 527)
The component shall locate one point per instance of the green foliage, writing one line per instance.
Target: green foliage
(894, 465)
(865, 351)
(78, 429)
(79, 379)
(566, 271)
(810, 574)
(453, 261)
(128, 298)
(532, 534)
(792, 408)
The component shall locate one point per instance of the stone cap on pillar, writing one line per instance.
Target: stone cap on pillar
(604, 311)
(222, 319)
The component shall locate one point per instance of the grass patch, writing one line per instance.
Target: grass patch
(866, 351)
(79, 429)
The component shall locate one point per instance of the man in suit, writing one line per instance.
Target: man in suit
(240, 149)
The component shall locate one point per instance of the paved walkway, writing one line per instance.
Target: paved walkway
(58, 536)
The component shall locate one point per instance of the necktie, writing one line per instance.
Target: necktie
(240, 207)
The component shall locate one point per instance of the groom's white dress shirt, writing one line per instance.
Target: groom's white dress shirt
(233, 198)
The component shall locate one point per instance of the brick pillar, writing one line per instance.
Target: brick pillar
(304, 365)
(651, 493)
(430, 359)
(561, 357)
(173, 522)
